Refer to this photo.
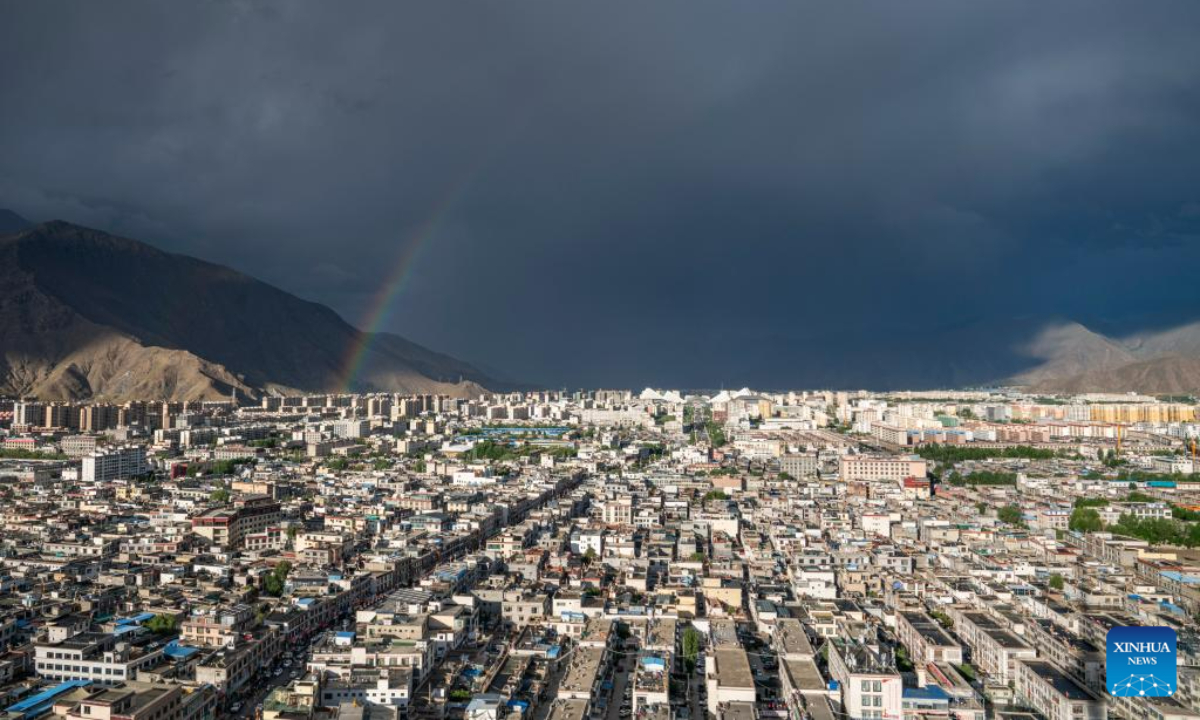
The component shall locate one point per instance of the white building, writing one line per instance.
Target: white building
(114, 464)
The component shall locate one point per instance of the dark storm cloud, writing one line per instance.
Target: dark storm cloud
(677, 193)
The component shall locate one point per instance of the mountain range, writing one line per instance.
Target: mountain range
(1074, 359)
(86, 314)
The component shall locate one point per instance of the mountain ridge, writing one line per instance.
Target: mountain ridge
(1076, 359)
(87, 314)
(80, 309)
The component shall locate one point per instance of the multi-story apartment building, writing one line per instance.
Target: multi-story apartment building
(229, 668)
(229, 527)
(926, 640)
(1041, 686)
(146, 701)
(871, 688)
(994, 649)
(800, 465)
(78, 445)
(114, 464)
(99, 657)
(880, 467)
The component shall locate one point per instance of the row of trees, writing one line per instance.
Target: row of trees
(218, 467)
(1158, 531)
(954, 453)
(692, 639)
(499, 451)
(1184, 531)
(982, 477)
(20, 454)
(1140, 476)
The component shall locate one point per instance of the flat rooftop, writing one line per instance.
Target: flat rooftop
(929, 629)
(567, 709)
(736, 711)
(732, 667)
(792, 638)
(1061, 683)
(804, 675)
(582, 669)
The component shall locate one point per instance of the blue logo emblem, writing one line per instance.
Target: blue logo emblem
(1140, 661)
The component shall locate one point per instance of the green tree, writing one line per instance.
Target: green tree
(716, 435)
(1085, 520)
(274, 583)
(1010, 514)
(220, 495)
(162, 624)
(21, 454)
(983, 477)
(957, 453)
(692, 640)
(1140, 497)
(1056, 582)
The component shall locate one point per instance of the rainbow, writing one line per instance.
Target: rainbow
(410, 251)
(378, 308)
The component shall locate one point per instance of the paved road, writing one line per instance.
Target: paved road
(620, 680)
(542, 711)
(299, 662)
(695, 682)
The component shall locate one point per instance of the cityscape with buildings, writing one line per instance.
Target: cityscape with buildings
(544, 360)
(595, 555)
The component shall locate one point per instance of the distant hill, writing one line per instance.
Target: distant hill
(10, 222)
(1075, 359)
(85, 314)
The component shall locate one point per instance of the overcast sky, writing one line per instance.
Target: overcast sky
(673, 193)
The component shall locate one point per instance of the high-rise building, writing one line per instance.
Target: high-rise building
(114, 464)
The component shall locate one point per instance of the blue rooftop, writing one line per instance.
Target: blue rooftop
(929, 692)
(1180, 577)
(33, 705)
(139, 618)
(179, 652)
